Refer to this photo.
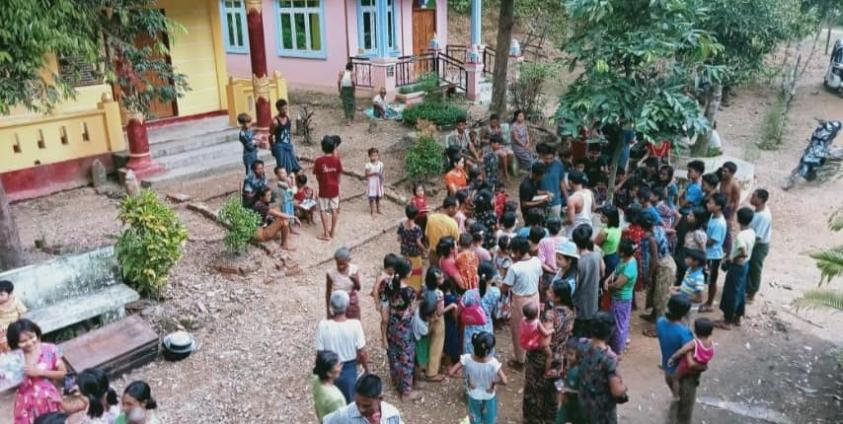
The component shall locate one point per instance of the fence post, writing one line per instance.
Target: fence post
(113, 123)
(383, 75)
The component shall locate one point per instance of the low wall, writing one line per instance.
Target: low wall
(241, 96)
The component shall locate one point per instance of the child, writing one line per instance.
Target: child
(733, 301)
(715, 235)
(284, 192)
(668, 214)
(502, 156)
(499, 201)
(491, 165)
(138, 405)
(304, 199)
(621, 285)
(569, 408)
(11, 310)
(693, 355)
(673, 334)
(692, 196)
(379, 291)
(482, 371)
(508, 224)
(421, 331)
(374, 181)
(645, 199)
(547, 245)
(453, 336)
(535, 335)
(328, 171)
(247, 139)
(762, 224)
(474, 149)
(410, 238)
(37, 395)
(419, 200)
(668, 184)
(478, 236)
(693, 283)
(467, 263)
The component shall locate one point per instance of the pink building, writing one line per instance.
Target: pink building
(310, 41)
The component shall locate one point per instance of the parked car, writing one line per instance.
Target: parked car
(834, 74)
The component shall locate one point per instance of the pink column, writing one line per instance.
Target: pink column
(383, 75)
(140, 159)
(474, 72)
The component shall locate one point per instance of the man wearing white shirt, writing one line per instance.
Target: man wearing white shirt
(762, 224)
(368, 406)
(344, 337)
(379, 104)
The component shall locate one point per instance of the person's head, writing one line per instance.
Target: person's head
(677, 307)
(727, 171)
(644, 196)
(610, 216)
(483, 343)
(137, 399)
(382, 92)
(695, 169)
(450, 206)
(504, 245)
(472, 135)
(572, 351)
(530, 310)
(716, 203)
(545, 153)
(632, 213)
(328, 366)
(520, 246)
(745, 216)
(6, 290)
(466, 240)
(508, 220)
(281, 105)
(328, 145)
(446, 246)
(244, 119)
(582, 237)
(651, 165)
(561, 294)
(342, 257)
(759, 198)
(339, 302)
(93, 384)
(23, 334)
(697, 218)
(434, 277)
(461, 124)
(626, 249)
(579, 166)
(694, 258)
(566, 154)
(703, 327)
(389, 261)
(496, 141)
(536, 234)
(553, 225)
(519, 116)
(301, 180)
(280, 173)
(458, 162)
(566, 257)
(411, 212)
(265, 195)
(593, 152)
(478, 233)
(349, 66)
(486, 272)
(257, 168)
(602, 326)
(646, 222)
(374, 154)
(577, 179)
(494, 120)
(666, 174)
(534, 216)
(368, 392)
(537, 171)
(710, 182)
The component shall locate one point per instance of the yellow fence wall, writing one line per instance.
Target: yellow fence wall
(241, 95)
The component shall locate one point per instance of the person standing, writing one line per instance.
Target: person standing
(521, 143)
(522, 280)
(368, 406)
(590, 271)
(346, 277)
(345, 337)
(621, 286)
(328, 171)
(345, 87)
(247, 139)
(486, 297)
(673, 334)
(441, 224)
(601, 387)
(401, 344)
(553, 180)
(530, 194)
(327, 397)
(762, 224)
(580, 203)
(282, 140)
(733, 300)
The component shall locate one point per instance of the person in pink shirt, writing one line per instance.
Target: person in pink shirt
(547, 249)
(693, 355)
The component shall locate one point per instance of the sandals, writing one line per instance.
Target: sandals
(723, 325)
(705, 309)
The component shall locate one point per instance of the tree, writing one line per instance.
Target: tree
(639, 60)
(11, 250)
(506, 21)
(830, 263)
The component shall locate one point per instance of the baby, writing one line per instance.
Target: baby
(696, 353)
(11, 310)
(534, 334)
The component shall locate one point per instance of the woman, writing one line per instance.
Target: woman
(662, 272)
(433, 294)
(566, 264)
(345, 276)
(137, 404)
(487, 298)
(282, 142)
(37, 395)
(327, 397)
(345, 86)
(621, 285)
(540, 396)
(521, 144)
(100, 400)
(600, 385)
(456, 179)
(446, 250)
(401, 344)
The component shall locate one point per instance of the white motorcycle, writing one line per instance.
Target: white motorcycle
(834, 74)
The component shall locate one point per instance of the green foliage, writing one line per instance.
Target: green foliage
(830, 263)
(427, 82)
(424, 158)
(775, 121)
(811, 299)
(241, 224)
(151, 242)
(443, 114)
(462, 7)
(527, 92)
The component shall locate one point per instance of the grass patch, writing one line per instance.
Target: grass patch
(775, 121)
(443, 114)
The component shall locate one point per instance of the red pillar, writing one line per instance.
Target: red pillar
(260, 76)
(140, 160)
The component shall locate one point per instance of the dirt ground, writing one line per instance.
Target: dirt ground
(256, 331)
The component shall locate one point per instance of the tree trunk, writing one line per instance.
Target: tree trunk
(614, 134)
(713, 98)
(828, 37)
(11, 251)
(505, 23)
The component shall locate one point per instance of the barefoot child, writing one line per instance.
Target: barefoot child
(328, 171)
(715, 236)
(11, 310)
(379, 291)
(247, 139)
(534, 334)
(693, 355)
(482, 373)
(374, 181)
(37, 395)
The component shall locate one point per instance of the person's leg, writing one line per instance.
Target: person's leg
(728, 300)
(491, 411)
(437, 344)
(514, 327)
(372, 206)
(687, 398)
(324, 211)
(335, 216)
(475, 411)
(740, 292)
(378, 205)
(348, 377)
(713, 275)
(756, 266)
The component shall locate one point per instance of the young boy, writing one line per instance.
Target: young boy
(762, 224)
(733, 301)
(247, 139)
(11, 310)
(692, 196)
(673, 334)
(715, 233)
(328, 171)
(693, 283)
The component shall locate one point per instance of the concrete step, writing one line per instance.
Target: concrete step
(172, 147)
(198, 164)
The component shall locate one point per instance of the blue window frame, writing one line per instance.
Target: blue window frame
(234, 26)
(301, 28)
(372, 17)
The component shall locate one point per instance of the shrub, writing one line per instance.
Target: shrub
(527, 92)
(241, 223)
(427, 82)
(443, 114)
(151, 242)
(774, 124)
(424, 158)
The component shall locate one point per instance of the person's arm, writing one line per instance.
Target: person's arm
(619, 281)
(454, 369)
(600, 237)
(420, 244)
(687, 347)
(329, 287)
(363, 359)
(502, 377)
(57, 374)
(545, 331)
(355, 278)
(339, 83)
(602, 269)
(571, 212)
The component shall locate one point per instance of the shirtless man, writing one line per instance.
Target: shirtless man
(580, 203)
(732, 190)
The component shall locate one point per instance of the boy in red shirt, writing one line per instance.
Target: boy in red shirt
(328, 170)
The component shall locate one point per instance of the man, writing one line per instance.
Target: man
(328, 170)
(580, 203)
(441, 224)
(692, 196)
(530, 188)
(368, 406)
(553, 180)
(762, 224)
(344, 337)
(730, 187)
(459, 137)
(379, 104)
(254, 184)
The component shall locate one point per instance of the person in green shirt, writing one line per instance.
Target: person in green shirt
(621, 285)
(137, 405)
(327, 397)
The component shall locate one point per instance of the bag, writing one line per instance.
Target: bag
(472, 315)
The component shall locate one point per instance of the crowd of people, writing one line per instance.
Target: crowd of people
(564, 266)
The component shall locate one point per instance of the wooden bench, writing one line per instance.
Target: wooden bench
(116, 348)
(71, 289)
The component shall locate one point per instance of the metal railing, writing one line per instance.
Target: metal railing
(362, 71)
(408, 69)
(452, 71)
(488, 60)
(458, 52)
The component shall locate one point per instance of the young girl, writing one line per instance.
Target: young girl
(410, 238)
(467, 263)
(285, 191)
(520, 136)
(695, 238)
(101, 403)
(433, 294)
(608, 239)
(482, 373)
(304, 200)
(621, 285)
(509, 222)
(374, 181)
(379, 291)
(137, 404)
(37, 395)
(419, 200)
(453, 347)
(503, 260)
(697, 352)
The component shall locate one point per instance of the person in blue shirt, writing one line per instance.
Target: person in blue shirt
(552, 179)
(715, 235)
(645, 199)
(693, 194)
(247, 139)
(673, 334)
(254, 183)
